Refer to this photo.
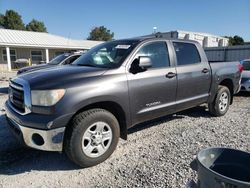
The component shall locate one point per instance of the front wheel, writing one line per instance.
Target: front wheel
(92, 138)
(220, 105)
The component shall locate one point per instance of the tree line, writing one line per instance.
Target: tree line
(12, 20)
(235, 40)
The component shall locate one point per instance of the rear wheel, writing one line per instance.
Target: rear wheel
(92, 138)
(220, 105)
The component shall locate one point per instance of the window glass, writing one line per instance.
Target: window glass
(186, 53)
(246, 65)
(58, 59)
(71, 59)
(158, 53)
(107, 55)
(36, 55)
(12, 55)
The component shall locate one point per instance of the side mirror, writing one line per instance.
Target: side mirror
(140, 64)
(145, 62)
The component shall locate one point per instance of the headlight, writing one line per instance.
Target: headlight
(46, 97)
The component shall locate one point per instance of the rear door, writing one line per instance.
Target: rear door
(193, 74)
(152, 93)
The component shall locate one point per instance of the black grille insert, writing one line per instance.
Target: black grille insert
(16, 96)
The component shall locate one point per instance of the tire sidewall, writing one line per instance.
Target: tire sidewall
(100, 116)
(217, 101)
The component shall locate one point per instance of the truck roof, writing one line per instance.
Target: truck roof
(157, 37)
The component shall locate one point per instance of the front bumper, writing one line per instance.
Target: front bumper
(245, 86)
(48, 140)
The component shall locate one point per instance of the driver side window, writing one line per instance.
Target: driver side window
(158, 53)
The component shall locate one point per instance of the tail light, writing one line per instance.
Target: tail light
(241, 68)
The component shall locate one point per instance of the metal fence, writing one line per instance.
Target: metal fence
(230, 53)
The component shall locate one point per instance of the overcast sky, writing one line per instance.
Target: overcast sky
(129, 18)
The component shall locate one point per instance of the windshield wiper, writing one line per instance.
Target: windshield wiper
(87, 65)
(91, 65)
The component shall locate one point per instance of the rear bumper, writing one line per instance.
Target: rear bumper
(48, 140)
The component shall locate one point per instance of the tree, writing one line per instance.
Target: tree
(36, 26)
(12, 20)
(235, 40)
(100, 34)
(1, 20)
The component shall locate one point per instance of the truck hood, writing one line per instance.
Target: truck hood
(57, 76)
(33, 68)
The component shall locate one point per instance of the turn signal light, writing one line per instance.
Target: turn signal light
(241, 68)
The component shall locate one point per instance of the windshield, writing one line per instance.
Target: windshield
(246, 65)
(107, 55)
(58, 59)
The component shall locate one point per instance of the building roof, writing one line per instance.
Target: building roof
(188, 32)
(41, 40)
(200, 33)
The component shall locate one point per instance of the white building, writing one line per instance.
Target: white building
(205, 39)
(35, 46)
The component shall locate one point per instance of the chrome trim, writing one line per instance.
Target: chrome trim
(15, 86)
(27, 94)
(13, 108)
(49, 136)
(148, 109)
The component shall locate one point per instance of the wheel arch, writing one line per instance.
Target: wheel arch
(114, 108)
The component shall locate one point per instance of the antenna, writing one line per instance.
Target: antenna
(154, 29)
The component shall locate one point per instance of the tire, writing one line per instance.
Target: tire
(92, 137)
(220, 107)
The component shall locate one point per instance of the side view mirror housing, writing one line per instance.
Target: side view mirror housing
(140, 64)
(145, 62)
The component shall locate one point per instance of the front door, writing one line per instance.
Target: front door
(152, 92)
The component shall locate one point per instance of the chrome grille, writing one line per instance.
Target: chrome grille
(16, 96)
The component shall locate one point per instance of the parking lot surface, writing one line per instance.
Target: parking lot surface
(156, 154)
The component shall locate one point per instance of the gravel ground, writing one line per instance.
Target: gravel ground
(156, 154)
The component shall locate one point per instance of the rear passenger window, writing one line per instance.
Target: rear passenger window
(186, 53)
(158, 53)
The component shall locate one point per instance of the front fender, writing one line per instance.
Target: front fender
(108, 89)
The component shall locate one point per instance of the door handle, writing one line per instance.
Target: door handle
(170, 75)
(205, 70)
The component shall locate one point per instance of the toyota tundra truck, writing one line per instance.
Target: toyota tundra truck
(84, 108)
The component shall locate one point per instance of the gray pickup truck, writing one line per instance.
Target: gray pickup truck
(85, 107)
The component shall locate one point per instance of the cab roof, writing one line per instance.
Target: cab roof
(156, 37)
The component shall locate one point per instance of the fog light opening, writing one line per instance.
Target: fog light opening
(37, 139)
